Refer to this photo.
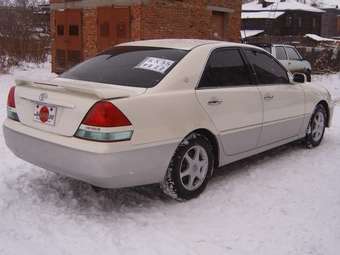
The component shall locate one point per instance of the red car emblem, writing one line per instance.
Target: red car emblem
(44, 114)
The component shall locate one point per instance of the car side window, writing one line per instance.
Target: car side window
(225, 67)
(267, 69)
(280, 53)
(292, 54)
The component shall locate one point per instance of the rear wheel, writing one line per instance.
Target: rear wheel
(316, 127)
(190, 168)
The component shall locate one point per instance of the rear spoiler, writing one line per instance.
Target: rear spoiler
(101, 91)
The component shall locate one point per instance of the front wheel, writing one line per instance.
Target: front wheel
(309, 75)
(316, 127)
(190, 168)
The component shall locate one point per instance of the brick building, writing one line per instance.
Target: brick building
(82, 28)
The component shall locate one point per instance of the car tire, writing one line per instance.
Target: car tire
(190, 168)
(316, 127)
(309, 75)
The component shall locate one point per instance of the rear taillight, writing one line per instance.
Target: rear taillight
(11, 110)
(104, 123)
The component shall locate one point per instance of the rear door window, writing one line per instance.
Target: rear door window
(225, 67)
(267, 69)
(292, 53)
(132, 66)
(280, 53)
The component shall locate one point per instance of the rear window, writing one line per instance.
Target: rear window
(131, 66)
(281, 53)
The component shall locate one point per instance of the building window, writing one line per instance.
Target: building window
(300, 22)
(74, 30)
(314, 23)
(60, 56)
(60, 30)
(104, 29)
(289, 21)
(74, 57)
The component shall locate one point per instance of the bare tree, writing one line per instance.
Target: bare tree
(24, 33)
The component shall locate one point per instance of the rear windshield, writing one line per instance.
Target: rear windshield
(131, 66)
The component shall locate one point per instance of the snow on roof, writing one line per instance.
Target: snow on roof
(261, 15)
(277, 5)
(319, 38)
(250, 33)
(325, 4)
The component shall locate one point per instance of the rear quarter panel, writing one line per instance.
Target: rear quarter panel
(164, 117)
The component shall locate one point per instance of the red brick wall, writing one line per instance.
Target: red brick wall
(89, 32)
(187, 19)
(53, 46)
(162, 19)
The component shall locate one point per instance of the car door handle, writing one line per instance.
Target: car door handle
(215, 102)
(268, 97)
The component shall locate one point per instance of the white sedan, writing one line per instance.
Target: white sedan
(163, 111)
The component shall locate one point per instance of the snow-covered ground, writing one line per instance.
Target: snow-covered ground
(286, 201)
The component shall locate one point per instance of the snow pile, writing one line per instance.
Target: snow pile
(331, 82)
(286, 201)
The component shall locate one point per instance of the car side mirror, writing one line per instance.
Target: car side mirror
(299, 78)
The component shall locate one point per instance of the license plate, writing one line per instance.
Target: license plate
(45, 114)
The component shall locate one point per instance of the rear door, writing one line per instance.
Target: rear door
(283, 102)
(234, 104)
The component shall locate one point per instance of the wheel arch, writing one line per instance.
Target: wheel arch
(212, 139)
(326, 106)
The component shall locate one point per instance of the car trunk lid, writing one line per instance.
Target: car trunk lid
(69, 99)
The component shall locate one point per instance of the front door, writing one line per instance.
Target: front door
(232, 101)
(283, 102)
(68, 39)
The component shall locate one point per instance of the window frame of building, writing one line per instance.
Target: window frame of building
(289, 21)
(60, 30)
(314, 22)
(73, 30)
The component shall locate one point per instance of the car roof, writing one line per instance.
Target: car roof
(183, 44)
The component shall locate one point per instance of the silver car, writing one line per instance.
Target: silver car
(290, 57)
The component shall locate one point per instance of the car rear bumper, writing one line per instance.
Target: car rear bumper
(138, 166)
